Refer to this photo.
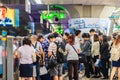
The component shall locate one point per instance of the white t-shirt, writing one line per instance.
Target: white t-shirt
(77, 42)
(26, 53)
(72, 55)
(14, 47)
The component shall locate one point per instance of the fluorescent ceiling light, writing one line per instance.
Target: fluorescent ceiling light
(38, 1)
(117, 10)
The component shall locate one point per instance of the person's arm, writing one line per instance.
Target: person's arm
(43, 56)
(103, 49)
(66, 49)
(78, 49)
(49, 50)
(18, 55)
(42, 53)
(93, 48)
(15, 53)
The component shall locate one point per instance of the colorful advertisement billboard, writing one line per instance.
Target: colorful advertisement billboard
(9, 17)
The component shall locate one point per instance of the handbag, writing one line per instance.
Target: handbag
(43, 70)
(52, 62)
(98, 63)
(81, 56)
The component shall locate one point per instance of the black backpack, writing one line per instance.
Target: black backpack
(60, 55)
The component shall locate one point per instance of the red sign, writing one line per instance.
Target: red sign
(4, 53)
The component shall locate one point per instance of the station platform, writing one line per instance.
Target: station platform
(81, 77)
(65, 77)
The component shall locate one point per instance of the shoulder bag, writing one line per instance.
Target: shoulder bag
(81, 56)
(52, 62)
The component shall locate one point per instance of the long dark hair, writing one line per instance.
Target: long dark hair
(105, 39)
(26, 41)
(96, 38)
(71, 39)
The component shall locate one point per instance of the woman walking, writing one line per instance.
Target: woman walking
(116, 64)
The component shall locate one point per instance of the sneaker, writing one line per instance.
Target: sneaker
(99, 76)
(105, 77)
(94, 76)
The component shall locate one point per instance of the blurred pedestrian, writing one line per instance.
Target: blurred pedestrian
(104, 56)
(116, 64)
(72, 57)
(25, 54)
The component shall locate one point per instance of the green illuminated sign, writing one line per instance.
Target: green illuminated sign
(52, 14)
(59, 29)
(117, 27)
(58, 7)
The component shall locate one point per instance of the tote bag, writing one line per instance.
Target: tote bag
(43, 70)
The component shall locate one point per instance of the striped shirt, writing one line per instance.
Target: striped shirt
(6, 22)
(52, 47)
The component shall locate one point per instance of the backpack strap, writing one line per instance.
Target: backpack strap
(56, 45)
(35, 46)
(75, 50)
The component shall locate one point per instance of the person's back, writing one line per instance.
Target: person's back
(72, 55)
(104, 51)
(26, 54)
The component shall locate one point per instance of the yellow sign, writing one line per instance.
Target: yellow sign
(4, 38)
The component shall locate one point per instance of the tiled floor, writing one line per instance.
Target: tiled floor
(82, 78)
(65, 77)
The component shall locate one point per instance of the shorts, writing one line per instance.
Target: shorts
(56, 70)
(116, 63)
(26, 70)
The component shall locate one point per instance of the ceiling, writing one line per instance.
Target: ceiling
(82, 2)
(36, 5)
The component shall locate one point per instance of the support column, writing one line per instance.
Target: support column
(4, 60)
(10, 67)
(111, 27)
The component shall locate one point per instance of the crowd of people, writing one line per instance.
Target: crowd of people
(91, 50)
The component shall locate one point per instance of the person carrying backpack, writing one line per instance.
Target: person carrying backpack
(55, 71)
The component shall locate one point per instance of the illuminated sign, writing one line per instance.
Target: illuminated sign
(59, 29)
(53, 14)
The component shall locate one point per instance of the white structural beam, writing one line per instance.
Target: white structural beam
(83, 2)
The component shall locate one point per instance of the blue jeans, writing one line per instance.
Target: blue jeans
(38, 71)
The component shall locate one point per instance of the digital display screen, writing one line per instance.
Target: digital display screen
(9, 17)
